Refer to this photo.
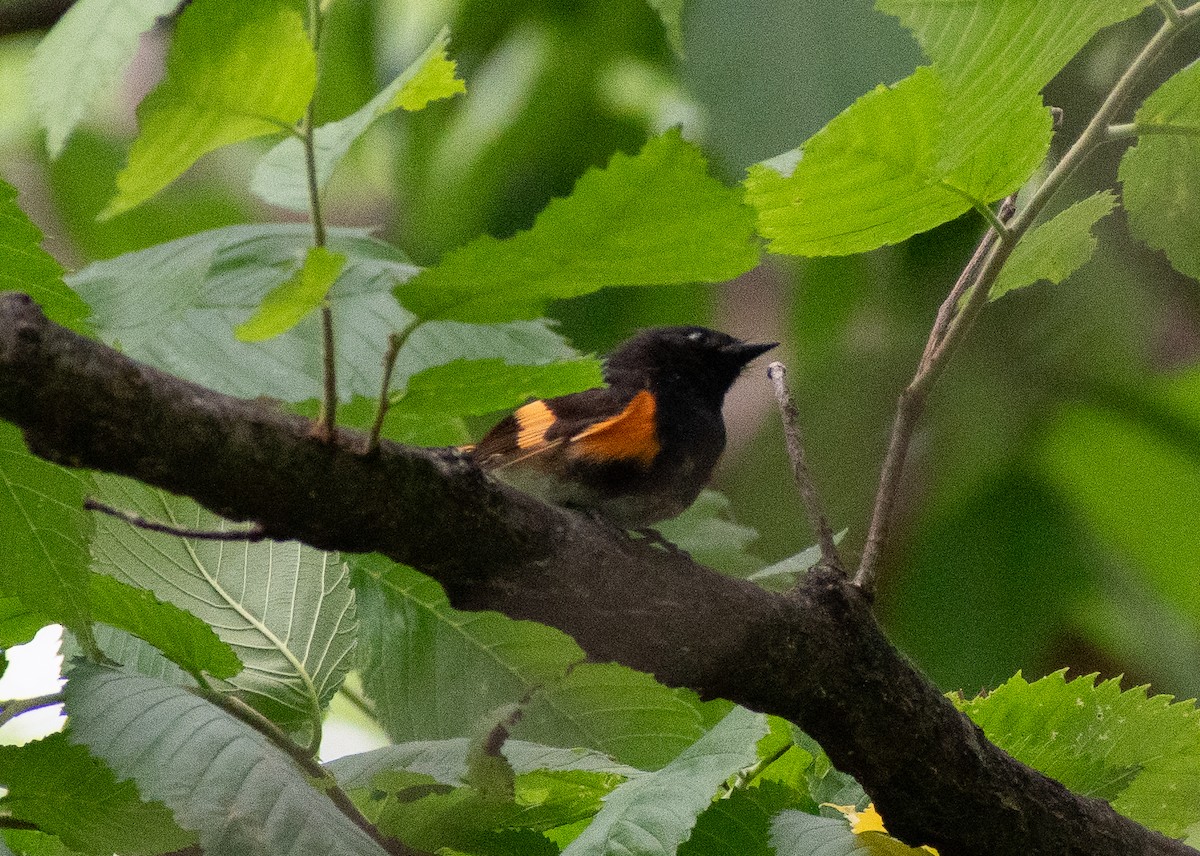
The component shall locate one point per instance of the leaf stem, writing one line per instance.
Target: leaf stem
(813, 506)
(395, 343)
(970, 292)
(327, 419)
(10, 710)
(253, 535)
(323, 780)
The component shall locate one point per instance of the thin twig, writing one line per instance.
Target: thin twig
(980, 274)
(324, 781)
(254, 534)
(395, 343)
(327, 419)
(356, 699)
(10, 710)
(777, 373)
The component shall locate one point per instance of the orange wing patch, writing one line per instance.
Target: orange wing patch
(533, 421)
(630, 435)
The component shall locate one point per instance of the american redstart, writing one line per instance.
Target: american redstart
(637, 451)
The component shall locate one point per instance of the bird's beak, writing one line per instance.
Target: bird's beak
(746, 351)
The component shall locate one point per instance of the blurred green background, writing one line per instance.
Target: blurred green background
(1051, 511)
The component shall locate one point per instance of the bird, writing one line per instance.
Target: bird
(637, 451)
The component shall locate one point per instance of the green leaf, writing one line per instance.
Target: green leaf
(741, 824)
(460, 666)
(480, 387)
(43, 534)
(18, 623)
(84, 53)
(706, 531)
(467, 820)
(287, 304)
(184, 639)
(1161, 174)
(286, 610)
(218, 775)
(656, 218)
(966, 132)
(623, 713)
(456, 666)
(174, 306)
(281, 176)
(235, 71)
(796, 833)
(26, 267)
(1057, 248)
(68, 793)
(655, 813)
(1141, 754)
(671, 12)
(445, 761)
(885, 170)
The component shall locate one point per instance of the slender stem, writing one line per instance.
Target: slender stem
(357, 700)
(395, 343)
(327, 420)
(254, 534)
(995, 223)
(956, 315)
(1132, 129)
(10, 710)
(13, 823)
(322, 778)
(1169, 10)
(777, 373)
(745, 777)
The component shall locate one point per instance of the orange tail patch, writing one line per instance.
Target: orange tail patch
(630, 435)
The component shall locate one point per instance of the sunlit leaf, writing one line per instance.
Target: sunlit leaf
(796, 833)
(288, 303)
(655, 218)
(1140, 753)
(1057, 248)
(281, 177)
(479, 387)
(235, 71)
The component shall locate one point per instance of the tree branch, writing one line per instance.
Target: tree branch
(814, 656)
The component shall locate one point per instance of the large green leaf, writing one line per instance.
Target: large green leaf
(993, 54)
(235, 71)
(1057, 248)
(18, 623)
(1161, 174)
(654, 814)
(1140, 753)
(286, 610)
(25, 266)
(884, 170)
(68, 793)
(655, 218)
(281, 177)
(435, 672)
(43, 534)
(219, 776)
(85, 52)
(175, 306)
